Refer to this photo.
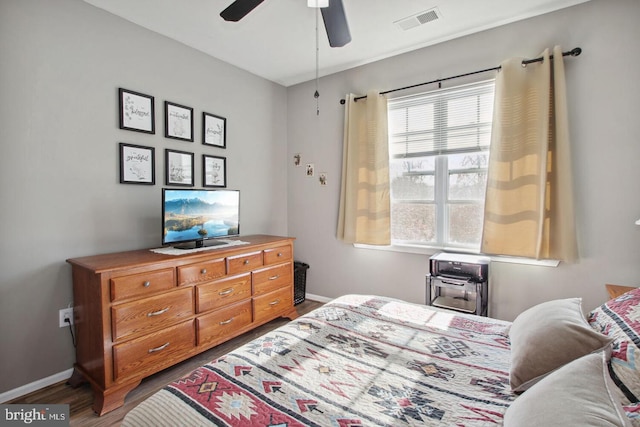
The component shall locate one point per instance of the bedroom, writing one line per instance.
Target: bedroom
(62, 65)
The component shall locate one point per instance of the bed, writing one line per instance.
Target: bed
(364, 360)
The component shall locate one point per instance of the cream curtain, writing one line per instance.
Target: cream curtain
(364, 215)
(529, 202)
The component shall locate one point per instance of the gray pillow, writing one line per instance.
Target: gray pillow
(578, 394)
(548, 336)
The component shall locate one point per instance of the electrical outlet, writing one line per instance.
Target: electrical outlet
(66, 313)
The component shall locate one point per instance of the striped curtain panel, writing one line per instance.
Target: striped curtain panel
(529, 201)
(364, 215)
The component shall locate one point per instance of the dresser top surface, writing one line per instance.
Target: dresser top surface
(141, 257)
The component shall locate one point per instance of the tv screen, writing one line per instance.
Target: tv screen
(193, 217)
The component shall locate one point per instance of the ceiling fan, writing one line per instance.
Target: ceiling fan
(335, 21)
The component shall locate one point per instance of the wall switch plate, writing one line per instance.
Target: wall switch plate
(66, 313)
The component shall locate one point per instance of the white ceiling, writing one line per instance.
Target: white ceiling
(277, 39)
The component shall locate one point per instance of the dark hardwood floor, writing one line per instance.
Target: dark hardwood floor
(80, 399)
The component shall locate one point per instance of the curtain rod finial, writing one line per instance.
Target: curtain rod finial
(576, 51)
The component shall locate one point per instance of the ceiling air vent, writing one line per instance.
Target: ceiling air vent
(418, 19)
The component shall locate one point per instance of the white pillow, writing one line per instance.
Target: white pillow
(578, 394)
(548, 336)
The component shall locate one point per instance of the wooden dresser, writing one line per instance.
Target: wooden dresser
(139, 312)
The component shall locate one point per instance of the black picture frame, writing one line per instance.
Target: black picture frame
(137, 164)
(178, 121)
(136, 111)
(178, 167)
(214, 130)
(214, 171)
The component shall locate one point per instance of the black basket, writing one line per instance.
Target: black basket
(299, 281)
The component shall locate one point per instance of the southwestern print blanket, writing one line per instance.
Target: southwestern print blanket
(356, 361)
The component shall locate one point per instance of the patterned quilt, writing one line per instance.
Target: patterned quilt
(357, 361)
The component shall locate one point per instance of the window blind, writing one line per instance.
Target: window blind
(443, 121)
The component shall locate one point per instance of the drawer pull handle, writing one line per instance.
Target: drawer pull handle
(279, 254)
(203, 271)
(276, 302)
(246, 261)
(146, 284)
(226, 322)
(162, 347)
(277, 276)
(157, 313)
(225, 292)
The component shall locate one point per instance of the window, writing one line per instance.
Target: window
(438, 156)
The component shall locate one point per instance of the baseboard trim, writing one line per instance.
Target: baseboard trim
(319, 298)
(35, 386)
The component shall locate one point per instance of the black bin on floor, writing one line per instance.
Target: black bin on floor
(299, 281)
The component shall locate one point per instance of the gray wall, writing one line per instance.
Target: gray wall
(603, 108)
(62, 63)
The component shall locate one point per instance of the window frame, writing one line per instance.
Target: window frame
(442, 173)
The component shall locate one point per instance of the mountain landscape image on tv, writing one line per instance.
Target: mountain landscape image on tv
(193, 215)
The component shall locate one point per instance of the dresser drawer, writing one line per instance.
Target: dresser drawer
(270, 305)
(145, 315)
(201, 272)
(277, 255)
(269, 279)
(217, 325)
(242, 263)
(154, 351)
(222, 292)
(142, 284)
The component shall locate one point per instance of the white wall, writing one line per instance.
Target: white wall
(604, 110)
(61, 66)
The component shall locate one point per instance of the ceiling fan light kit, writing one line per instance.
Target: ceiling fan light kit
(335, 20)
(318, 3)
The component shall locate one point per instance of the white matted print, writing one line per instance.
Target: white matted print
(214, 171)
(214, 130)
(137, 164)
(178, 168)
(178, 121)
(137, 111)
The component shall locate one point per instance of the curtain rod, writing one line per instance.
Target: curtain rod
(573, 52)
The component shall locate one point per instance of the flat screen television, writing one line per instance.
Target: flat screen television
(196, 218)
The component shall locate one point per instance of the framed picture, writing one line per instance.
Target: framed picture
(178, 121)
(137, 164)
(214, 130)
(137, 111)
(178, 168)
(214, 171)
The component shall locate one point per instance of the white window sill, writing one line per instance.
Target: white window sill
(425, 250)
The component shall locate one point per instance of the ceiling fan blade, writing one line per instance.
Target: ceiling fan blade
(239, 9)
(335, 22)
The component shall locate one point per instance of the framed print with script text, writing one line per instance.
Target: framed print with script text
(214, 130)
(137, 111)
(137, 164)
(178, 168)
(178, 121)
(214, 171)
